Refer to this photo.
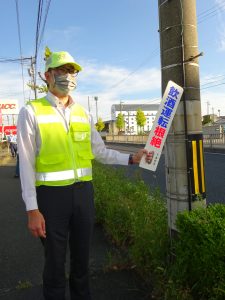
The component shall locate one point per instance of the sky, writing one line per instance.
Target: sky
(117, 44)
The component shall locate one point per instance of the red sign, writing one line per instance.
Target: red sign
(8, 130)
(7, 106)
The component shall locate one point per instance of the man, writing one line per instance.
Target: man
(57, 140)
(12, 139)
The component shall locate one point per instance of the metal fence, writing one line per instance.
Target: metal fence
(214, 141)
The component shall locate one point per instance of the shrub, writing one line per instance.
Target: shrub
(200, 257)
(136, 219)
(132, 215)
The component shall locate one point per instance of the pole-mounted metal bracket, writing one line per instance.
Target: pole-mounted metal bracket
(193, 57)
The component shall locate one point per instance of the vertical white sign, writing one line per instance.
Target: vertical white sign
(162, 123)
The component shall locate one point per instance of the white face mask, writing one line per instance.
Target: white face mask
(65, 83)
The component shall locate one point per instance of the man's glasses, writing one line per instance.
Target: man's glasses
(66, 70)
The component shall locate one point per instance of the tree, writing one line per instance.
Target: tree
(206, 120)
(120, 121)
(99, 125)
(40, 88)
(140, 118)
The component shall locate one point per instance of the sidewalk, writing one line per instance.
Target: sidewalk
(21, 255)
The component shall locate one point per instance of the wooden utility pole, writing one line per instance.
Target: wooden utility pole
(185, 179)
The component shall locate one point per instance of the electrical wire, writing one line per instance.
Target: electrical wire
(213, 77)
(20, 45)
(153, 54)
(211, 12)
(212, 83)
(39, 34)
(208, 87)
(39, 16)
(14, 60)
(44, 23)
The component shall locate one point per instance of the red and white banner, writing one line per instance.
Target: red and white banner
(9, 106)
(7, 130)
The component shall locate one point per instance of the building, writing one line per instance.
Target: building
(129, 112)
(8, 117)
(216, 127)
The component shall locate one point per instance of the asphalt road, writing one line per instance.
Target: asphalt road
(214, 173)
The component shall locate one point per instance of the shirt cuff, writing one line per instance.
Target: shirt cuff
(31, 204)
(123, 159)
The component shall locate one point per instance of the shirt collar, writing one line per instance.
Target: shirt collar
(55, 100)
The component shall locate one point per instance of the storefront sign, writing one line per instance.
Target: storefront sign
(9, 107)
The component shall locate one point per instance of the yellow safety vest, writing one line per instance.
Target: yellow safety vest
(64, 157)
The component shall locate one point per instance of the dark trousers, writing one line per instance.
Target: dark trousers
(69, 216)
(13, 149)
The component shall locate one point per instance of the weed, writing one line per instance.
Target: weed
(22, 285)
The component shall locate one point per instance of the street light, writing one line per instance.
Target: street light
(121, 102)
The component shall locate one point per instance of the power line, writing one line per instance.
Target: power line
(211, 8)
(208, 87)
(39, 34)
(211, 12)
(213, 77)
(40, 6)
(212, 81)
(44, 23)
(19, 35)
(153, 54)
(15, 60)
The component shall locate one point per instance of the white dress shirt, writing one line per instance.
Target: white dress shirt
(29, 144)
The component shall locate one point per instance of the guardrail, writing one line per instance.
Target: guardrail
(214, 141)
(209, 140)
(134, 139)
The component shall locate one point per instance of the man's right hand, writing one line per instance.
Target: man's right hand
(36, 223)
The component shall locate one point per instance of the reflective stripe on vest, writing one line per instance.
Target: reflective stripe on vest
(44, 119)
(63, 175)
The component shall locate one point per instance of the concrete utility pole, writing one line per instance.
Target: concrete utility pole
(89, 107)
(33, 66)
(121, 102)
(208, 104)
(185, 179)
(213, 115)
(31, 72)
(96, 100)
